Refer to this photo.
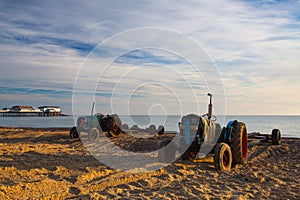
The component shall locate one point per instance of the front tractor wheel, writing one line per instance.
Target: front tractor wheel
(239, 143)
(73, 133)
(94, 134)
(222, 157)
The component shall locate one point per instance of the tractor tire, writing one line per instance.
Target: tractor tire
(73, 133)
(152, 129)
(161, 130)
(113, 126)
(276, 136)
(222, 157)
(125, 127)
(94, 134)
(135, 128)
(239, 143)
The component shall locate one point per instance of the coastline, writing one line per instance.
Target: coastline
(45, 163)
(38, 128)
(287, 125)
(68, 128)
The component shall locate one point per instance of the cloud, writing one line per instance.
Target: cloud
(144, 57)
(255, 45)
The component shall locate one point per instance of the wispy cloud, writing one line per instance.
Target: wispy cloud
(255, 44)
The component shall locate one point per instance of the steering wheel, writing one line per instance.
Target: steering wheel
(213, 117)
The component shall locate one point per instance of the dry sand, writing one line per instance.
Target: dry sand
(46, 164)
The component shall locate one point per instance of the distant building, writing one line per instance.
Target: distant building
(23, 109)
(50, 109)
(29, 111)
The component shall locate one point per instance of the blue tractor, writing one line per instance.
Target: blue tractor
(229, 144)
(97, 124)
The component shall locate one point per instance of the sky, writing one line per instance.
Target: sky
(253, 45)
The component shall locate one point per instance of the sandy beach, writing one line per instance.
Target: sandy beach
(47, 164)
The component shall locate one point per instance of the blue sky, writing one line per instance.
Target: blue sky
(254, 44)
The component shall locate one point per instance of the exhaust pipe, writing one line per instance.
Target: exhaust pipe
(210, 106)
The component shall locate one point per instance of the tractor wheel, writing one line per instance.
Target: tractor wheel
(73, 133)
(113, 126)
(94, 134)
(152, 129)
(222, 157)
(135, 128)
(239, 143)
(125, 127)
(161, 130)
(276, 136)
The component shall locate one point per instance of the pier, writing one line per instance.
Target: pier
(29, 114)
(29, 111)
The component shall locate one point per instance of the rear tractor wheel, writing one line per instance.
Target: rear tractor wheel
(113, 126)
(276, 136)
(161, 130)
(239, 143)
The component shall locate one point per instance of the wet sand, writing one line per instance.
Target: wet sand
(47, 164)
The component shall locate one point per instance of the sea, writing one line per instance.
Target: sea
(288, 125)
